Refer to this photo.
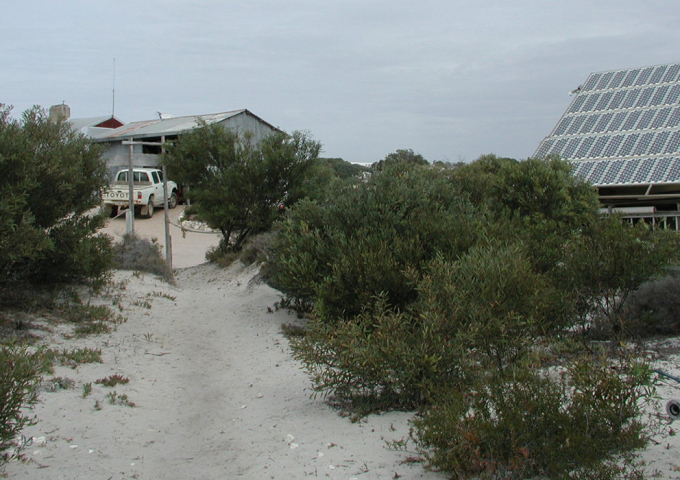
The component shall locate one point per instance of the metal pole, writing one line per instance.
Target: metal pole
(168, 240)
(131, 191)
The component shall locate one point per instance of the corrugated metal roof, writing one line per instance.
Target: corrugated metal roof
(167, 126)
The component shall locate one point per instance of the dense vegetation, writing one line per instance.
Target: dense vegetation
(50, 178)
(454, 290)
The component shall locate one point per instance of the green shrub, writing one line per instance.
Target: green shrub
(654, 308)
(361, 243)
(583, 423)
(49, 182)
(604, 265)
(239, 185)
(380, 360)
(142, 255)
(20, 377)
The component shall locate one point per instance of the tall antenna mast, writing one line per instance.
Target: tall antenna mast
(113, 107)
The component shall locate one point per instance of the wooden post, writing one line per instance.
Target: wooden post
(131, 190)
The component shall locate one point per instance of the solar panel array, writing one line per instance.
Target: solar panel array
(622, 127)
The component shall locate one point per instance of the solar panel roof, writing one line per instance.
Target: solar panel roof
(622, 127)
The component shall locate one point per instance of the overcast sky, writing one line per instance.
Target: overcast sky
(450, 79)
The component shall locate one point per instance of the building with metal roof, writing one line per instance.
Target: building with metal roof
(622, 134)
(140, 143)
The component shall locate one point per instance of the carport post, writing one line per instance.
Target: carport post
(130, 215)
(168, 239)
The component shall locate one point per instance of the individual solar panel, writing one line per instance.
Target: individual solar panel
(673, 119)
(618, 78)
(604, 81)
(589, 123)
(673, 145)
(659, 95)
(617, 100)
(643, 78)
(558, 146)
(658, 143)
(661, 117)
(602, 122)
(598, 172)
(658, 74)
(630, 77)
(598, 148)
(673, 174)
(584, 148)
(571, 148)
(643, 144)
(645, 122)
(590, 102)
(673, 95)
(576, 104)
(645, 170)
(631, 98)
(585, 167)
(613, 171)
(544, 149)
(591, 82)
(629, 169)
(617, 121)
(631, 120)
(605, 98)
(629, 144)
(645, 97)
(563, 125)
(660, 168)
(672, 73)
(576, 125)
(612, 147)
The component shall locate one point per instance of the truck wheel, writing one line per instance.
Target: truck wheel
(172, 201)
(149, 208)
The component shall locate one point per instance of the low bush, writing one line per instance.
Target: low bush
(654, 308)
(582, 423)
(20, 378)
(381, 360)
(371, 238)
(142, 255)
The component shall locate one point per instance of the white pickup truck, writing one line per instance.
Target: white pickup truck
(147, 192)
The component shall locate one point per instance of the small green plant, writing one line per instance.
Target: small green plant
(91, 319)
(59, 383)
(72, 358)
(119, 399)
(163, 295)
(87, 389)
(148, 336)
(97, 405)
(92, 328)
(113, 380)
(20, 377)
(144, 303)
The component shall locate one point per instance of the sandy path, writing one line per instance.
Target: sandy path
(217, 396)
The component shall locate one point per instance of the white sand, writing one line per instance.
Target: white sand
(217, 393)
